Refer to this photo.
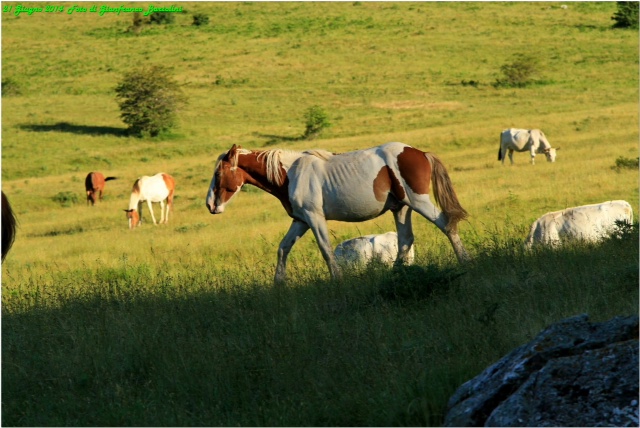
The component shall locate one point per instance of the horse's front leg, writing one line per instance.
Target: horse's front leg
(320, 230)
(151, 211)
(405, 235)
(296, 230)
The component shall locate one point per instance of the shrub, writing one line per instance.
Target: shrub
(10, 87)
(626, 163)
(162, 18)
(149, 99)
(627, 15)
(518, 73)
(200, 19)
(316, 120)
(66, 199)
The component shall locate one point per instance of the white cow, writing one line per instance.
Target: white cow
(522, 140)
(360, 251)
(589, 222)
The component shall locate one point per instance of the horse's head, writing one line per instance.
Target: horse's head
(134, 218)
(226, 182)
(551, 154)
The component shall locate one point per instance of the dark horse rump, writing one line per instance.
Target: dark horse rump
(94, 185)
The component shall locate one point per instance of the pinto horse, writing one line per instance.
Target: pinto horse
(159, 188)
(316, 186)
(94, 184)
(8, 226)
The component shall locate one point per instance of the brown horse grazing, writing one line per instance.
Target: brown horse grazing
(8, 226)
(94, 184)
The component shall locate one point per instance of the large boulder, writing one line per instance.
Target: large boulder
(574, 373)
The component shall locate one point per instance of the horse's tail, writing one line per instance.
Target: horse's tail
(444, 194)
(500, 151)
(110, 178)
(8, 226)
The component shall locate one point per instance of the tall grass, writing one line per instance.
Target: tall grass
(142, 345)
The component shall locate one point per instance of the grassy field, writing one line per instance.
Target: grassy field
(180, 324)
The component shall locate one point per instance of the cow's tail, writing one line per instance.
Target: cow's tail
(110, 178)
(444, 194)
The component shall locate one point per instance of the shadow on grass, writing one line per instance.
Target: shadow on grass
(136, 346)
(276, 139)
(77, 129)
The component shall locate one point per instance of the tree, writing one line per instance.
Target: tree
(149, 99)
(627, 15)
(316, 120)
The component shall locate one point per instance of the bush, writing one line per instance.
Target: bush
(10, 87)
(316, 120)
(519, 73)
(162, 18)
(66, 199)
(200, 19)
(627, 15)
(149, 99)
(626, 163)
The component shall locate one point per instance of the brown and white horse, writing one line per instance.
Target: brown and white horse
(316, 186)
(8, 226)
(94, 185)
(159, 188)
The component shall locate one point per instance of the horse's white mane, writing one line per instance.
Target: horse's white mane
(276, 157)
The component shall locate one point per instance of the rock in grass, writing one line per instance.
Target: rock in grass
(574, 373)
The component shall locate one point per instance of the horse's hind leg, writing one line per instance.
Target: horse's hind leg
(423, 205)
(166, 213)
(296, 230)
(151, 211)
(405, 234)
(162, 217)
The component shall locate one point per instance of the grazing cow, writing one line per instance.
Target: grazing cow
(8, 226)
(360, 251)
(94, 185)
(522, 140)
(158, 188)
(589, 222)
(316, 186)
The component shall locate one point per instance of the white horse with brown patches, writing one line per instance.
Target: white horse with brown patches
(316, 186)
(159, 188)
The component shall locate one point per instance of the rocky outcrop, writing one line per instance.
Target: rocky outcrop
(574, 373)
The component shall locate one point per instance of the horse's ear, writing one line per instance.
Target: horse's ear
(557, 148)
(233, 156)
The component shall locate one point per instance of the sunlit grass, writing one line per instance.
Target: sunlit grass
(180, 324)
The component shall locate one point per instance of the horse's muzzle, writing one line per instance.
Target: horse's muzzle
(218, 209)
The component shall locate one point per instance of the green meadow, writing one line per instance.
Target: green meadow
(180, 324)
